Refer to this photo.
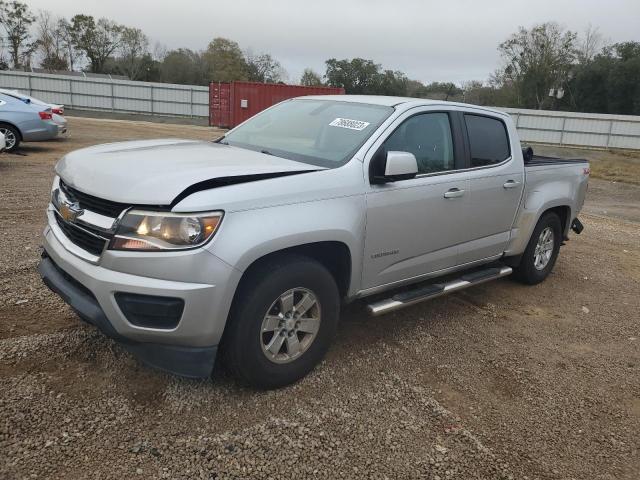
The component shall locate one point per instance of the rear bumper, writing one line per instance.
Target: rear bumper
(181, 360)
(43, 131)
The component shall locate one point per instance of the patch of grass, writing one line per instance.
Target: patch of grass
(620, 169)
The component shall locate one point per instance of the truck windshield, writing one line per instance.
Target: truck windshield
(320, 132)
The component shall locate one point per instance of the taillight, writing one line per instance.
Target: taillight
(58, 111)
(45, 115)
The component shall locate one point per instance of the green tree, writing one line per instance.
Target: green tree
(623, 83)
(589, 87)
(441, 91)
(184, 66)
(96, 40)
(624, 51)
(362, 76)
(225, 60)
(416, 89)
(356, 76)
(310, 78)
(16, 18)
(490, 93)
(610, 83)
(537, 60)
(390, 82)
(149, 69)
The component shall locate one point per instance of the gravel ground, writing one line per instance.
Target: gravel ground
(499, 381)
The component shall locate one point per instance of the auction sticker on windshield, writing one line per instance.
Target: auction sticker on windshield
(350, 124)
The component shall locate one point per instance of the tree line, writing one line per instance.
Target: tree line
(542, 67)
(83, 42)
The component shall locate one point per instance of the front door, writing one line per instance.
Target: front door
(414, 227)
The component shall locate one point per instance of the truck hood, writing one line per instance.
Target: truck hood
(157, 172)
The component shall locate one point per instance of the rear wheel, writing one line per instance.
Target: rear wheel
(11, 137)
(284, 317)
(542, 251)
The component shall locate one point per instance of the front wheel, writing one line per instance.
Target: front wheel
(542, 251)
(283, 320)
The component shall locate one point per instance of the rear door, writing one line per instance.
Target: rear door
(496, 184)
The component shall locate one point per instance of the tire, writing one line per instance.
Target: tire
(538, 261)
(12, 137)
(263, 359)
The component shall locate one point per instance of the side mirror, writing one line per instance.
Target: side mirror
(391, 166)
(400, 164)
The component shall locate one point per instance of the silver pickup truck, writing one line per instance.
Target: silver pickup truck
(246, 247)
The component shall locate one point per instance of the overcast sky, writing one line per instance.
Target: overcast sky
(441, 40)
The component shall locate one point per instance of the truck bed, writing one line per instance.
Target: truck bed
(538, 160)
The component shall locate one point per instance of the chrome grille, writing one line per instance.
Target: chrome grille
(83, 237)
(95, 204)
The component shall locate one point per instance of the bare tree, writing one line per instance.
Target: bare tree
(590, 43)
(264, 68)
(50, 42)
(68, 45)
(16, 18)
(134, 45)
(471, 91)
(310, 78)
(159, 52)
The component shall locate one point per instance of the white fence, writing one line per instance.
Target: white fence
(77, 92)
(84, 93)
(577, 129)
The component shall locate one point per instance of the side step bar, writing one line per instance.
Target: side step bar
(421, 294)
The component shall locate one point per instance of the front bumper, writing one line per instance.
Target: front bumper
(185, 361)
(189, 349)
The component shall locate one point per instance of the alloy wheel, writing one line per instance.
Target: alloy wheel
(290, 325)
(544, 249)
(9, 138)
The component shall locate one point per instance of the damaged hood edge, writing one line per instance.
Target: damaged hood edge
(163, 172)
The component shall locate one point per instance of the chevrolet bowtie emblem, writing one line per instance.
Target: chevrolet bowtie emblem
(70, 211)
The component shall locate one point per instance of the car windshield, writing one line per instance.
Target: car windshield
(320, 132)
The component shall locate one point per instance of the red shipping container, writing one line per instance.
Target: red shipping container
(232, 103)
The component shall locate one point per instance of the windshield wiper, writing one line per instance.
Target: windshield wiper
(266, 152)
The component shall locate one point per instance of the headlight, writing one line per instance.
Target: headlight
(140, 230)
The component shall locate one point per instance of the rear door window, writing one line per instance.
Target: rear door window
(488, 140)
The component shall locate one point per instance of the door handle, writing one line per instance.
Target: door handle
(511, 184)
(454, 193)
